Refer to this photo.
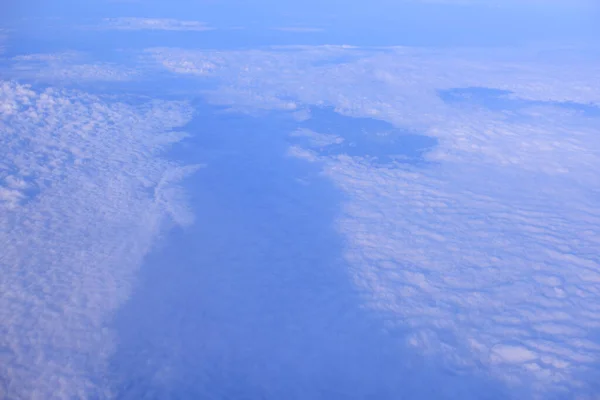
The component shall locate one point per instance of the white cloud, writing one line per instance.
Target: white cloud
(316, 139)
(182, 62)
(163, 24)
(488, 254)
(68, 67)
(489, 267)
(509, 3)
(83, 195)
(392, 74)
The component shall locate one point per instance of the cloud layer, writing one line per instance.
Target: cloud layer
(158, 24)
(67, 68)
(83, 196)
(488, 253)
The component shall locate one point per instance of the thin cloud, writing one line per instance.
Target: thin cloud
(71, 68)
(156, 24)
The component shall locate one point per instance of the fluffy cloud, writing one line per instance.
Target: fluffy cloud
(487, 253)
(83, 195)
(491, 268)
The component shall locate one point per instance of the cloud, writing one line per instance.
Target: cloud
(396, 70)
(182, 62)
(83, 197)
(487, 254)
(67, 68)
(316, 139)
(59, 70)
(159, 24)
(489, 267)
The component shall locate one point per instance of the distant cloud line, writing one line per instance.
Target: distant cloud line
(157, 24)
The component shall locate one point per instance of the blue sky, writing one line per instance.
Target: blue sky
(380, 22)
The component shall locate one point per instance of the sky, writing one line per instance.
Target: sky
(381, 22)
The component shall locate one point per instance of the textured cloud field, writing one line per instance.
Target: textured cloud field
(482, 249)
(488, 253)
(83, 196)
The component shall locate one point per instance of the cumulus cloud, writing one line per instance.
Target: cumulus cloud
(182, 62)
(83, 196)
(488, 252)
(160, 24)
(490, 267)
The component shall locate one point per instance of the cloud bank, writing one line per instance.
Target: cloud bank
(486, 255)
(83, 196)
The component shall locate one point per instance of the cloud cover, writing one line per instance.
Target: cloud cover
(486, 255)
(83, 196)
